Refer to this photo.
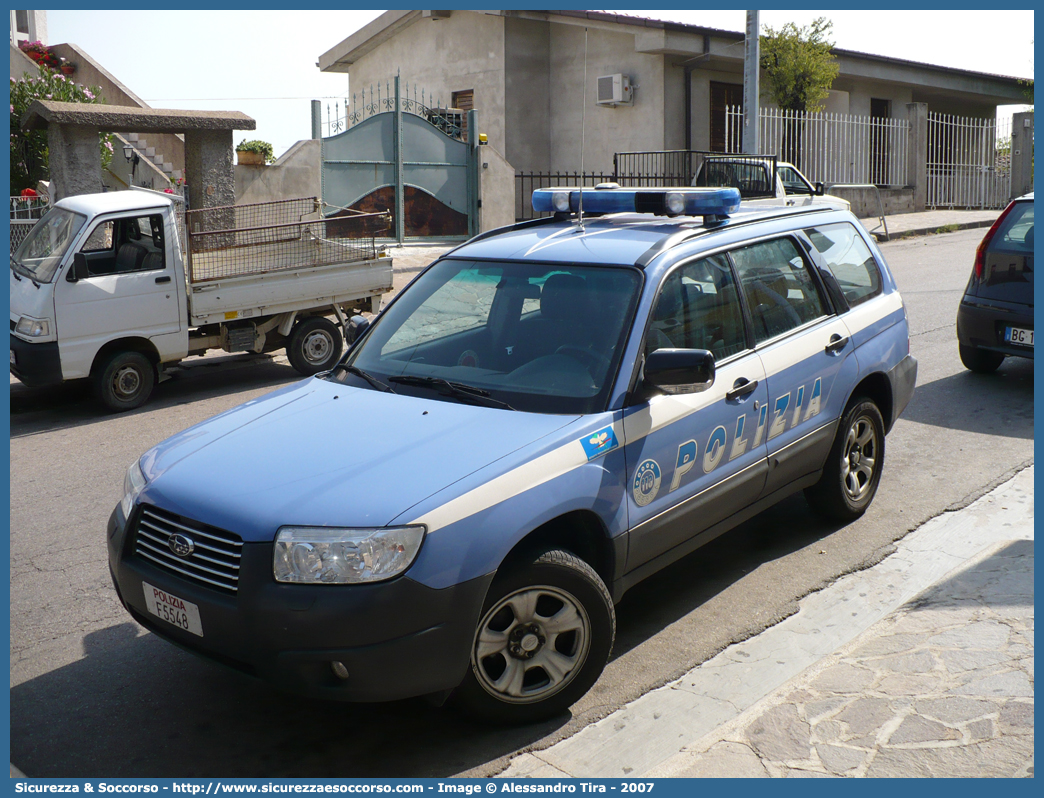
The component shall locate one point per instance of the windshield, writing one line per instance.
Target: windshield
(536, 337)
(43, 249)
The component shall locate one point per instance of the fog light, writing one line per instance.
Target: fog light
(339, 670)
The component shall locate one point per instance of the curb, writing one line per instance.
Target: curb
(928, 231)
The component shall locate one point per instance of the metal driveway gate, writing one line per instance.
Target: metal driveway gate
(969, 162)
(405, 156)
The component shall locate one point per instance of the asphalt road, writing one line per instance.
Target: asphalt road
(92, 694)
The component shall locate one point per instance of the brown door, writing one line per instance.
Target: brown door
(722, 95)
(465, 101)
(879, 109)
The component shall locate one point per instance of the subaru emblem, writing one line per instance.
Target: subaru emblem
(181, 545)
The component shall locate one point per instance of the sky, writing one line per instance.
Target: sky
(262, 62)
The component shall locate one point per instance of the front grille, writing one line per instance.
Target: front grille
(214, 561)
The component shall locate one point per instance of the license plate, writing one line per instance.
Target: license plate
(1018, 335)
(173, 610)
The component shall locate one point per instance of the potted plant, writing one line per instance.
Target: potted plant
(254, 153)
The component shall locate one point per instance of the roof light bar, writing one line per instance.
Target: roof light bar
(608, 198)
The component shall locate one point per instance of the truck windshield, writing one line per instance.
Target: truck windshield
(43, 249)
(536, 337)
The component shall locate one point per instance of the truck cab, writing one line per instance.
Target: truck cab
(765, 181)
(99, 275)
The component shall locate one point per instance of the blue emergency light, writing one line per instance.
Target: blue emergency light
(610, 198)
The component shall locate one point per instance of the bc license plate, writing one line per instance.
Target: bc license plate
(173, 610)
(1018, 335)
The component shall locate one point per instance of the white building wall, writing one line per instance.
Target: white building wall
(637, 127)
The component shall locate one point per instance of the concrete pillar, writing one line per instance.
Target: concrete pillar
(1021, 154)
(317, 119)
(917, 154)
(74, 160)
(208, 168)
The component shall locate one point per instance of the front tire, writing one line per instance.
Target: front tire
(124, 381)
(315, 345)
(543, 640)
(981, 361)
(853, 468)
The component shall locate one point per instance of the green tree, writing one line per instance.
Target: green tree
(29, 149)
(799, 69)
(799, 65)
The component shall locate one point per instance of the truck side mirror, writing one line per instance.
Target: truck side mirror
(820, 189)
(357, 325)
(79, 270)
(679, 371)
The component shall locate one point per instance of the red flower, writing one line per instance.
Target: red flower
(28, 192)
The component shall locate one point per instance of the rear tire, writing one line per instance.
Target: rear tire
(853, 467)
(315, 345)
(544, 637)
(124, 381)
(981, 361)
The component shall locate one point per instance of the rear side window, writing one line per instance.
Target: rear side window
(1016, 234)
(849, 260)
(780, 290)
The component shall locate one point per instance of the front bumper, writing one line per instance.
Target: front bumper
(397, 639)
(982, 326)
(903, 378)
(36, 365)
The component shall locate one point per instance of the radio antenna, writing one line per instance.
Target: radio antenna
(583, 121)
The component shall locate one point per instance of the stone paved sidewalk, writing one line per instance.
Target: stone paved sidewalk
(942, 687)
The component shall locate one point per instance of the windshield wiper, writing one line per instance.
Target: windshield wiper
(458, 390)
(376, 383)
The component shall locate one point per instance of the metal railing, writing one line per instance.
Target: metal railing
(340, 114)
(831, 147)
(25, 212)
(241, 240)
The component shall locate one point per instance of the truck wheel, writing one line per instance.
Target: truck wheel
(981, 361)
(315, 345)
(853, 468)
(124, 381)
(546, 632)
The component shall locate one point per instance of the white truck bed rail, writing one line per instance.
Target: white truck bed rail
(246, 240)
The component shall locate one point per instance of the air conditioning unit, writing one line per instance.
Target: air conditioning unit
(614, 90)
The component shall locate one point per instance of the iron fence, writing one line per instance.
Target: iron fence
(241, 240)
(830, 147)
(340, 114)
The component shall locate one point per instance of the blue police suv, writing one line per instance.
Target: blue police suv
(545, 416)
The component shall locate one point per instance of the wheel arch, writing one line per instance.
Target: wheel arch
(878, 388)
(581, 532)
(134, 344)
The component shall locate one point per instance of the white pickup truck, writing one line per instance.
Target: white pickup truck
(106, 286)
(757, 185)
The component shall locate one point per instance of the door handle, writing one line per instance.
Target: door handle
(165, 279)
(837, 343)
(740, 388)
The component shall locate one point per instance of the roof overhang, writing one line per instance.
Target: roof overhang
(368, 38)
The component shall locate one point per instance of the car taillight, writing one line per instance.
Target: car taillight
(980, 253)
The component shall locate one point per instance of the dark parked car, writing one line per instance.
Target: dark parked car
(995, 319)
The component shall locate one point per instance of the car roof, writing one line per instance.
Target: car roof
(113, 201)
(625, 239)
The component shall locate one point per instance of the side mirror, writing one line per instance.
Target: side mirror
(79, 270)
(357, 325)
(679, 371)
(820, 189)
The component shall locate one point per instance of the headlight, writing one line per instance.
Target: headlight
(34, 328)
(133, 482)
(320, 555)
